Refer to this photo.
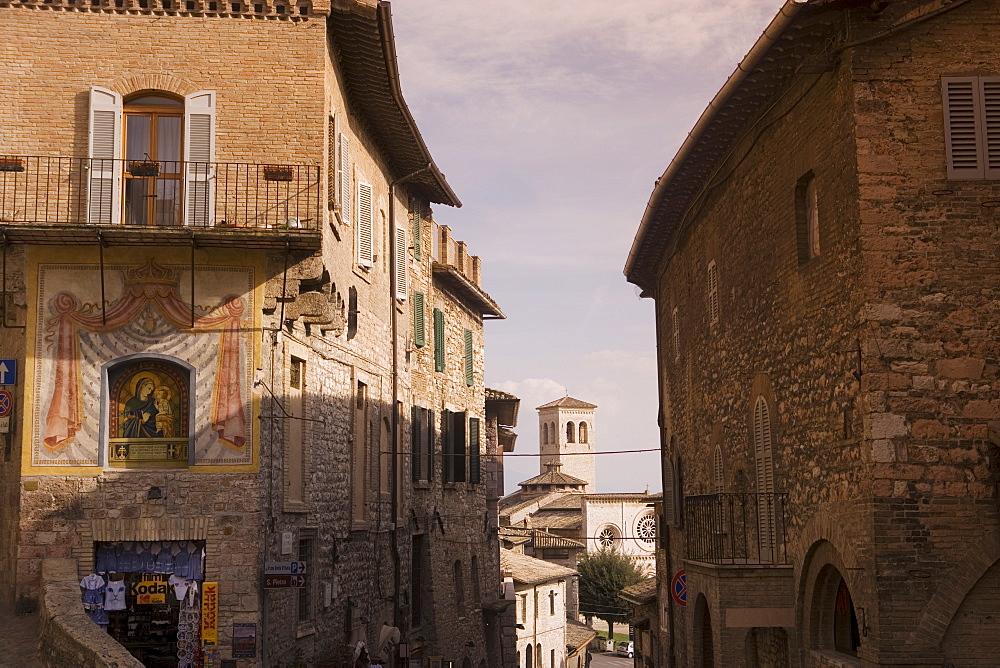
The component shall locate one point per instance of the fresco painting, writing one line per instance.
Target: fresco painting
(148, 403)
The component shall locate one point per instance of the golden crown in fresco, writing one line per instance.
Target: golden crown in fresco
(151, 274)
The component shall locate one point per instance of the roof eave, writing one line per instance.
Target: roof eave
(643, 276)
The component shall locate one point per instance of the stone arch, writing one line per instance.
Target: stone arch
(970, 640)
(819, 588)
(704, 646)
(134, 83)
(956, 585)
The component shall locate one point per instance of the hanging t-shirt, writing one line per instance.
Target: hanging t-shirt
(114, 595)
(128, 562)
(182, 562)
(147, 562)
(195, 568)
(107, 562)
(93, 591)
(164, 561)
(180, 585)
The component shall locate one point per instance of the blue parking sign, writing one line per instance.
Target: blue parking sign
(8, 372)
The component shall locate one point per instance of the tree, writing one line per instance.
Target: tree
(603, 575)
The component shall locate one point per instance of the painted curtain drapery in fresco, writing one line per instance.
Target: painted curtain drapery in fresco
(147, 316)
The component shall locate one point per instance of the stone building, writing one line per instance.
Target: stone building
(822, 253)
(541, 611)
(239, 335)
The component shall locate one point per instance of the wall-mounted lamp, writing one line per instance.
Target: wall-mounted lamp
(154, 493)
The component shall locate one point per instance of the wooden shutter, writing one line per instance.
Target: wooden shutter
(475, 461)
(438, 340)
(344, 178)
(199, 152)
(991, 125)
(762, 446)
(717, 470)
(469, 359)
(419, 329)
(366, 257)
(447, 447)
(401, 262)
(458, 442)
(416, 220)
(431, 443)
(963, 132)
(669, 511)
(675, 320)
(713, 292)
(332, 175)
(416, 433)
(104, 184)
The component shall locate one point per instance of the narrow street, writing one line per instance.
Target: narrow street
(602, 660)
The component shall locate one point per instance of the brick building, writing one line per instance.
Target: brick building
(822, 253)
(240, 336)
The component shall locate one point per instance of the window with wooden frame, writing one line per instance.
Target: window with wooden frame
(675, 323)
(972, 126)
(295, 475)
(332, 174)
(402, 262)
(806, 218)
(475, 456)
(713, 293)
(421, 444)
(417, 228)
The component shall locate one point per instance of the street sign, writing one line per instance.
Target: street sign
(678, 587)
(8, 372)
(284, 581)
(284, 567)
(6, 403)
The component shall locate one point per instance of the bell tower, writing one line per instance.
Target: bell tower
(566, 439)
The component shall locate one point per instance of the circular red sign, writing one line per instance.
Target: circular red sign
(6, 403)
(678, 587)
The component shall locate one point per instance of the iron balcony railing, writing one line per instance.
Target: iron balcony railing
(51, 190)
(737, 529)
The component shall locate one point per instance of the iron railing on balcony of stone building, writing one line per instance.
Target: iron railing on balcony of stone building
(737, 529)
(50, 190)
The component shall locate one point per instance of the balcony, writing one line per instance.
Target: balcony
(737, 529)
(453, 266)
(60, 200)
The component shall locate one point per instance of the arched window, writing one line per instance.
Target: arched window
(570, 433)
(528, 651)
(645, 529)
(718, 480)
(459, 586)
(608, 536)
(148, 414)
(553, 434)
(582, 433)
(764, 465)
(545, 433)
(538, 654)
(475, 580)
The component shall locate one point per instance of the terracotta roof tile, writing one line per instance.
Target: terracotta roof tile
(528, 570)
(566, 402)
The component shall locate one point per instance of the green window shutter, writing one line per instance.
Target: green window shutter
(458, 443)
(469, 377)
(475, 462)
(419, 334)
(429, 422)
(415, 434)
(438, 340)
(447, 447)
(416, 219)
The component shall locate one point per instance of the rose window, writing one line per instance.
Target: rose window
(646, 529)
(606, 538)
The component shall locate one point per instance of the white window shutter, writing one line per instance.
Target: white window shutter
(962, 127)
(401, 287)
(344, 164)
(199, 153)
(991, 126)
(365, 225)
(104, 183)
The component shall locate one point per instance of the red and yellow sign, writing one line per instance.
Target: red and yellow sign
(210, 613)
(149, 592)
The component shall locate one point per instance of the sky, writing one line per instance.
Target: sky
(552, 121)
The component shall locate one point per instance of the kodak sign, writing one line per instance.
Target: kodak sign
(149, 592)
(210, 613)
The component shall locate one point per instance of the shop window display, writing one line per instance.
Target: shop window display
(146, 595)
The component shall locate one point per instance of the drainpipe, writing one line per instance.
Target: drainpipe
(394, 483)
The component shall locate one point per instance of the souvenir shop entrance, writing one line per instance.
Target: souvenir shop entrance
(147, 596)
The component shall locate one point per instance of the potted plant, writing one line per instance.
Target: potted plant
(277, 173)
(144, 168)
(9, 163)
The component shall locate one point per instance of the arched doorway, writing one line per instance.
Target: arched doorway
(704, 649)
(978, 617)
(833, 616)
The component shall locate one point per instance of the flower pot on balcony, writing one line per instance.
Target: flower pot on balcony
(11, 164)
(144, 168)
(277, 173)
